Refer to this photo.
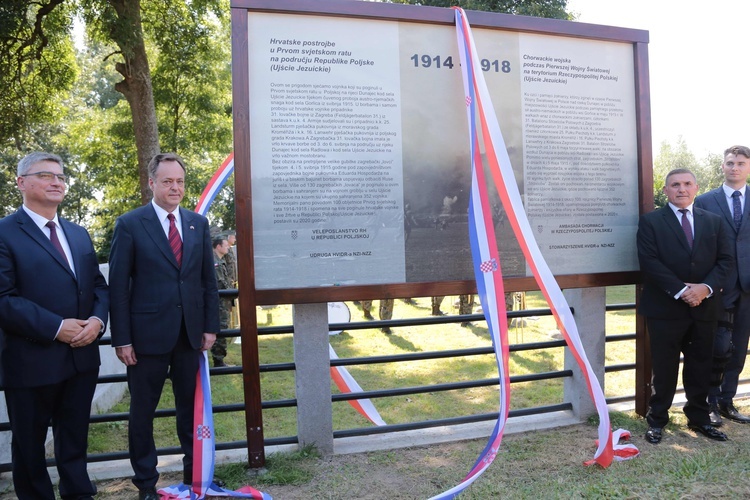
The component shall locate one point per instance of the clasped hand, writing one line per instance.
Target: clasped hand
(79, 332)
(695, 294)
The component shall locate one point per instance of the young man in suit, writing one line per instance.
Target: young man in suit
(730, 344)
(53, 308)
(165, 311)
(685, 258)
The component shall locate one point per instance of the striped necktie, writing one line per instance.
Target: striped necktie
(175, 243)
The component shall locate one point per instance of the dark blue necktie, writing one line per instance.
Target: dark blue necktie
(737, 209)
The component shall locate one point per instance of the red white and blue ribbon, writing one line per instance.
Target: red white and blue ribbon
(215, 184)
(204, 448)
(482, 120)
(347, 385)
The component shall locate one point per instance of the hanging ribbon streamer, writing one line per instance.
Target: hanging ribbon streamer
(204, 450)
(347, 385)
(480, 111)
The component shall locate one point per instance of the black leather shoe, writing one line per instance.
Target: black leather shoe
(732, 413)
(713, 414)
(148, 494)
(653, 435)
(709, 431)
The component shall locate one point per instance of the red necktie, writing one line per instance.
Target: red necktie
(55, 240)
(175, 242)
(686, 227)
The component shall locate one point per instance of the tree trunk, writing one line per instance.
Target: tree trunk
(136, 87)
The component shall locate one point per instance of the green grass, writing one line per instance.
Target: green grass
(281, 469)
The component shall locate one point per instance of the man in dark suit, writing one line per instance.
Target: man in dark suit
(165, 311)
(685, 258)
(53, 305)
(730, 344)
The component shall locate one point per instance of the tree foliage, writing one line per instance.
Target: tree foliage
(36, 67)
(181, 50)
(553, 9)
(707, 171)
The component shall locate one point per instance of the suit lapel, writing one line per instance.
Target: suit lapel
(74, 244)
(153, 227)
(188, 234)
(699, 225)
(721, 200)
(29, 227)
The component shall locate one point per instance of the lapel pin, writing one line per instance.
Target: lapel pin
(192, 227)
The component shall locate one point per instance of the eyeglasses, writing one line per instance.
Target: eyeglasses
(48, 176)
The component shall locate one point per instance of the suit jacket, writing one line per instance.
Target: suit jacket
(151, 295)
(715, 201)
(37, 291)
(667, 263)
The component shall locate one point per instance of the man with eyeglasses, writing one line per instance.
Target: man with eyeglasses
(53, 308)
(165, 311)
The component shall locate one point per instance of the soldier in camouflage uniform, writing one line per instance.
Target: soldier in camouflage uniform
(386, 312)
(436, 301)
(367, 309)
(221, 247)
(231, 259)
(465, 306)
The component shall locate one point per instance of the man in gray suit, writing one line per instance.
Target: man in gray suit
(730, 342)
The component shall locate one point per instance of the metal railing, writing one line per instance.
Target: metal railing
(337, 398)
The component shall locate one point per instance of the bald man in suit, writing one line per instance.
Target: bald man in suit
(53, 308)
(165, 311)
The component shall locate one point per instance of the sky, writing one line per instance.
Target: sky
(699, 63)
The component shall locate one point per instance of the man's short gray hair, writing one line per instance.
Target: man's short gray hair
(33, 158)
